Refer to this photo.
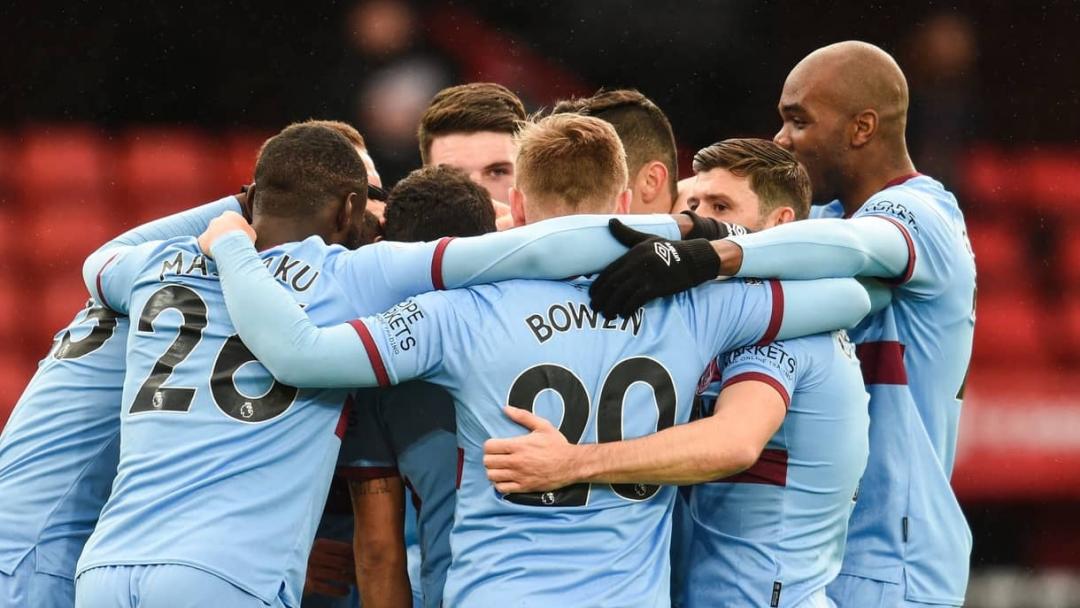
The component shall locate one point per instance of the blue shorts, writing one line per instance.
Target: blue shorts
(849, 591)
(25, 586)
(160, 586)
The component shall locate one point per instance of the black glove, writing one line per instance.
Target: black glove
(653, 268)
(711, 230)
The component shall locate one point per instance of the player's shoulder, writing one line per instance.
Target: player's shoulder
(171, 253)
(917, 202)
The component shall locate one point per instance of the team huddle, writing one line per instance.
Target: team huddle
(728, 403)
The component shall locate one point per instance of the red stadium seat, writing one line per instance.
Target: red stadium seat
(54, 237)
(1068, 316)
(1054, 181)
(62, 295)
(167, 170)
(1009, 331)
(62, 159)
(992, 179)
(1001, 251)
(1067, 260)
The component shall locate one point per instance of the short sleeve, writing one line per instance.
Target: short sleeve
(725, 315)
(380, 275)
(774, 364)
(366, 452)
(408, 341)
(109, 274)
(930, 238)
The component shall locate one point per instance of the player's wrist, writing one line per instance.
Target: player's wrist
(730, 255)
(228, 241)
(710, 229)
(704, 261)
(584, 464)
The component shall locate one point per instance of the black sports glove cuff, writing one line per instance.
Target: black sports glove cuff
(711, 230)
(704, 263)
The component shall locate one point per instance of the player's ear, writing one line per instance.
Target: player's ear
(622, 202)
(865, 127)
(651, 180)
(781, 215)
(517, 206)
(345, 212)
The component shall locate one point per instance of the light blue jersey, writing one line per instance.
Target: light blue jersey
(212, 449)
(409, 430)
(538, 345)
(221, 469)
(59, 450)
(774, 534)
(907, 526)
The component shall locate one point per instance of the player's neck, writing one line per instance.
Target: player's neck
(278, 231)
(873, 179)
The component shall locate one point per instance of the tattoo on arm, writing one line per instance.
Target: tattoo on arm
(375, 486)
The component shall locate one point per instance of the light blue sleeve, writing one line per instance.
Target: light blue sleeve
(933, 239)
(558, 248)
(186, 223)
(278, 332)
(825, 248)
(726, 315)
(109, 274)
(387, 273)
(774, 364)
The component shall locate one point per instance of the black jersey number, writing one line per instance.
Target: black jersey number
(106, 326)
(153, 397)
(234, 355)
(610, 410)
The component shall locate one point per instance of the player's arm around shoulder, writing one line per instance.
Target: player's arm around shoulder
(276, 330)
(934, 242)
(379, 542)
(748, 413)
(110, 272)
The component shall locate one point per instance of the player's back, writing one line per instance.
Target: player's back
(774, 534)
(914, 355)
(58, 451)
(221, 467)
(538, 345)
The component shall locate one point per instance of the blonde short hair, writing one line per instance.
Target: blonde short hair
(571, 161)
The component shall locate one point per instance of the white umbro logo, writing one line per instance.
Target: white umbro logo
(666, 251)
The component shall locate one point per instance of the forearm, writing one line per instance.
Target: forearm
(278, 332)
(813, 307)
(379, 543)
(186, 223)
(552, 249)
(384, 582)
(812, 249)
(681, 455)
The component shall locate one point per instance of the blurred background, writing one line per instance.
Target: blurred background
(115, 113)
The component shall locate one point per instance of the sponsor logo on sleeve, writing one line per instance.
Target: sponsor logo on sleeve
(891, 209)
(398, 324)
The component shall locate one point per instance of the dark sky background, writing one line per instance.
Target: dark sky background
(715, 67)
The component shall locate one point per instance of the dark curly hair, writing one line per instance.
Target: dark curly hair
(437, 201)
(305, 166)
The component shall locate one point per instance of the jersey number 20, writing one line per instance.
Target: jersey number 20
(609, 415)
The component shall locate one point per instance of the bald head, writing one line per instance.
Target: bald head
(854, 76)
(844, 108)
